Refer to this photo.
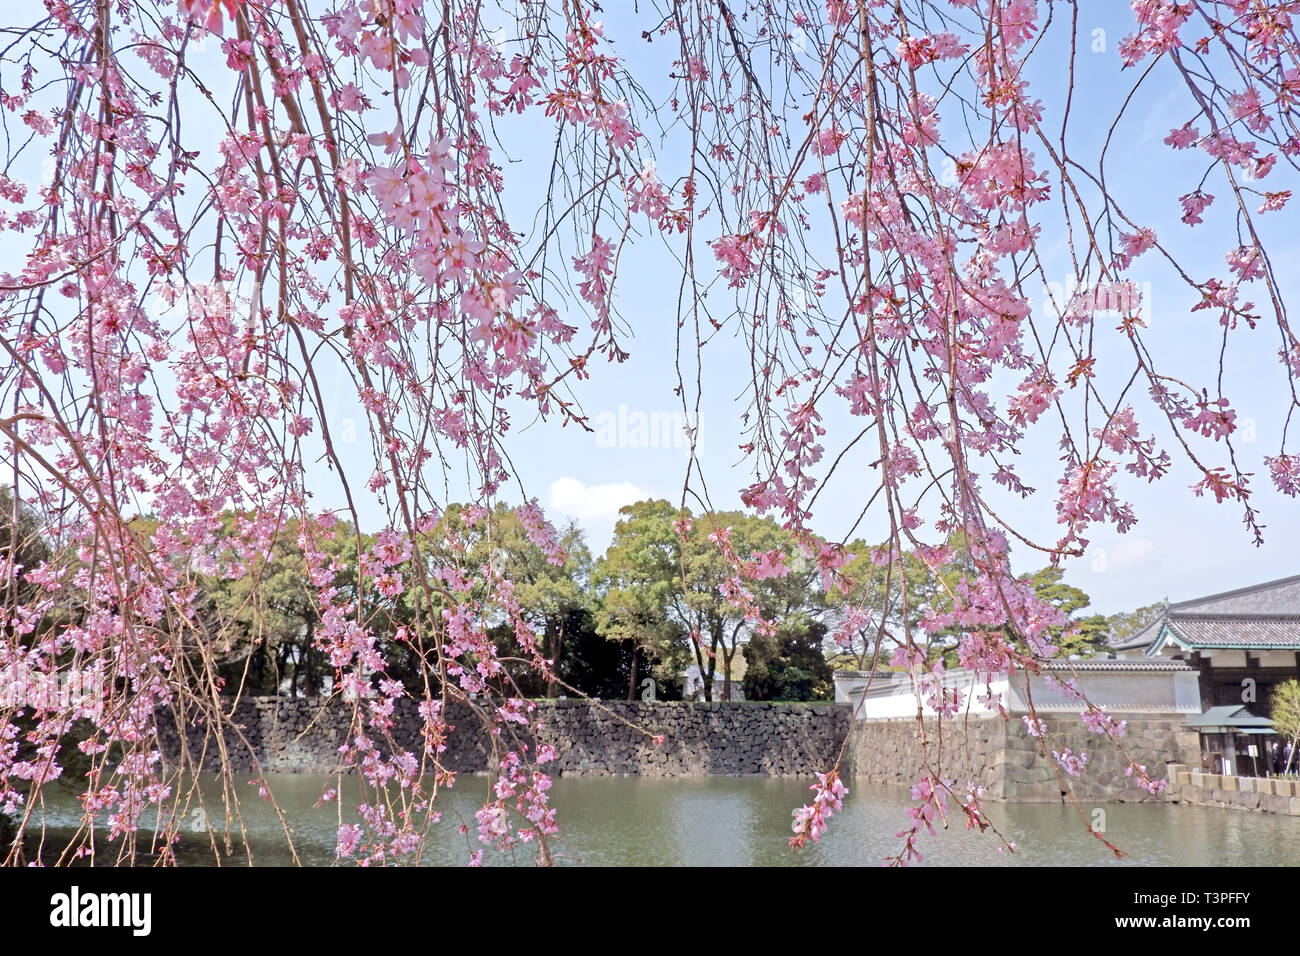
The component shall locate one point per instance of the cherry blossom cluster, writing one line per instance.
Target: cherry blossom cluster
(858, 194)
(810, 820)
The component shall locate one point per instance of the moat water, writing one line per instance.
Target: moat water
(723, 821)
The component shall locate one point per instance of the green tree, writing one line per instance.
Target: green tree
(1127, 623)
(790, 664)
(668, 593)
(263, 623)
(22, 548)
(554, 598)
(597, 666)
(1082, 636)
(635, 581)
(898, 598)
(701, 603)
(1285, 708)
(903, 598)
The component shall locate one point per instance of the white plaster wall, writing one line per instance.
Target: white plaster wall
(1121, 691)
(1227, 658)
(1117, 691)
(1277, 659)
(895, 695)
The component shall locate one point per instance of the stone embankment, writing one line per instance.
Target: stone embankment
(1002, 757)
(1264, 794)
(303, 735)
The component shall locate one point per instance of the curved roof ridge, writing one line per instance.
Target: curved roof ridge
(1236, 592)
(1235, 616)
(1142, 637)
(1134, 664)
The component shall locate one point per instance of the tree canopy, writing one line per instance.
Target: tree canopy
(300, 263)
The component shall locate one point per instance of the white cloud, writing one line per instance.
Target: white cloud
(592, 504)
(1131, 551)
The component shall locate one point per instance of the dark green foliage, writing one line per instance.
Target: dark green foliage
(657, 588)
(1083, 636)
(1128, 623)
(790, 664)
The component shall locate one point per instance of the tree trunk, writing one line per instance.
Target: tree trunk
(699, 663)
(260, 651)
(715, 641)
(553, 642)
(8, 833)
(631, 687)
(293, 677)
(727, 656)
(309, 685)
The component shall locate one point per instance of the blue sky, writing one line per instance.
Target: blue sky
(1181, 547)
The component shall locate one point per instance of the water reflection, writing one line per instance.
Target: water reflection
(722, 821)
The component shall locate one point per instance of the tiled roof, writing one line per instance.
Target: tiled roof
(1072, 707)
(1104, 665)
(1231, 715)
(1272, 597)
(880, 675)
(1091, 664)
(1143, 638)
(1260, 617)
(1236, 631)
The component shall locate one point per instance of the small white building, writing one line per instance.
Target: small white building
(693, 682)
(1120, 686)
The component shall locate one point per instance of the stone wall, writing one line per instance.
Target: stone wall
(1154, 742)
(889, 751)
(300, 735)
(1238, 793)
(1003, 758)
